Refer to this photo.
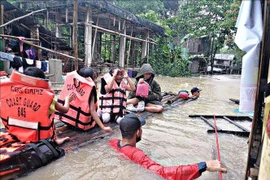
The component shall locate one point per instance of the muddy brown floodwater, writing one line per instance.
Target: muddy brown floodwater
(170, 138)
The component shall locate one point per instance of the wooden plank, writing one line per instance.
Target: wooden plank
(236, 101)
(80, 138)
(210, 123)
(236, 124)
(239, 118)
(238, 133)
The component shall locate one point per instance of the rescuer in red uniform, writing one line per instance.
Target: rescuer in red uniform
(131, 130)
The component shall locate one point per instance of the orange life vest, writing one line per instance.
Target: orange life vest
(25, 104)
(78, 114)
(115, 100)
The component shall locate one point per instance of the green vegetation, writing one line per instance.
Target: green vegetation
(182, 19)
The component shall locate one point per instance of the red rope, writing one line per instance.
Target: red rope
(218, 150)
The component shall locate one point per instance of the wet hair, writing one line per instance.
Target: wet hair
(89, 72)
(129, 125)
(16, 63)
(34, 72)
(86, 72)
(112, 69)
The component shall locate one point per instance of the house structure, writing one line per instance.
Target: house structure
(88, 29)
(224, 62)
(199, 51)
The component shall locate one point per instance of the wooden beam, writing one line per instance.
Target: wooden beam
(15, 37)
(113, 48)
(121, 34)
(129, 47)
(101, 29)
(2, 29)
(43, 48)
(236, 124)
(209, 123)
(238, 133)
(88, 38)
(18, 18)
(95, 37)
(122, 49)
(75, 32)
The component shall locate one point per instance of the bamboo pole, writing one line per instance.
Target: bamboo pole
(40, 37)
(101, 29)
(40, 47)
(121, 34)
(18, 18)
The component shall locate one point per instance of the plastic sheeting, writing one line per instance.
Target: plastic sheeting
(248, 38)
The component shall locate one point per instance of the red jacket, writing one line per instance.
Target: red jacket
(183, 172)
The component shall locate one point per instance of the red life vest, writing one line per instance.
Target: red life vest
(185, 172)
(78, 114)
(115, 100)
(25, 104)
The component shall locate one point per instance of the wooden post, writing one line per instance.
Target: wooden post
(129, 47)
(58, 32)
(122, 48)
(47, 18)
(75, 32)
(132, 53)
(94, 41)
(264, 171)
(2, 29)
(144, 45)
(35, 35)
(66, 15)
(113, 49)
(2, 42)
(70, 36)
(88, 38)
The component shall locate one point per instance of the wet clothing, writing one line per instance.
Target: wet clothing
(182, 172)
(154, 90)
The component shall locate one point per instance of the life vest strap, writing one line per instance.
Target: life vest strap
(77, 121)
(109, 98)
(75, 108)
(113, 106)
(118, 90)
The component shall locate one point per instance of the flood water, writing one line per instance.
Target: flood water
(170, 138)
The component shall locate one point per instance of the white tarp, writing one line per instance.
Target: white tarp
(248, 38)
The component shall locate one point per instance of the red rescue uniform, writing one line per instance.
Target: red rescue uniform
(184, 172)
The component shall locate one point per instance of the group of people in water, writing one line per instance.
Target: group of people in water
(77, 106)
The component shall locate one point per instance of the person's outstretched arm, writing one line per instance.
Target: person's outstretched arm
(191, 171)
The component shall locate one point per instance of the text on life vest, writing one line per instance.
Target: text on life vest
(71, 87)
